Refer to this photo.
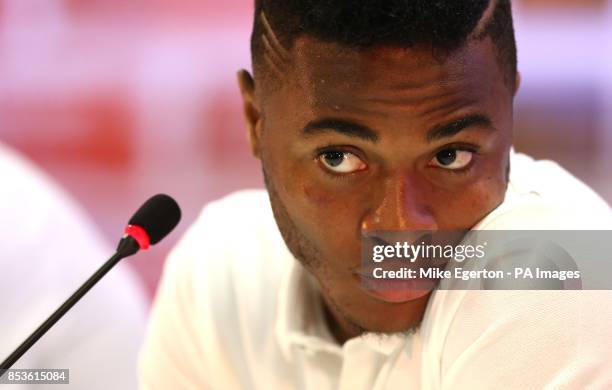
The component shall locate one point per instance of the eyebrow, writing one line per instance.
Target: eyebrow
(450, 129)
(341, 126)
(352, 129)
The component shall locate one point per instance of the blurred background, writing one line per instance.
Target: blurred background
(118, 100)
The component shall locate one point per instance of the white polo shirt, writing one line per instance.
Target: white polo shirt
(235, 310)
(48, 248)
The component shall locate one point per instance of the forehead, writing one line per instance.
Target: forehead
(325, 75)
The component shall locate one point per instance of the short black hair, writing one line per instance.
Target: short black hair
(444, 25)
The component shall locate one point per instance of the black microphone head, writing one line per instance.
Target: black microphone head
(158, 216)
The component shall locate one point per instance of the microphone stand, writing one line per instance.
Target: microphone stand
(127, 247)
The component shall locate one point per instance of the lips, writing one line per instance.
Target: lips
(395, 290)
(398, 289)
(392, 262)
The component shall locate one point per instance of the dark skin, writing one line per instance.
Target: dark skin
(381, 139)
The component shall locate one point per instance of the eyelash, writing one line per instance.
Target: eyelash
(475, 150)
(339, 149)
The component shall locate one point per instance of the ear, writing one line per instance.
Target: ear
(251, 110)
(517, 82)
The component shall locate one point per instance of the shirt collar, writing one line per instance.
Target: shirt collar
(301, 321)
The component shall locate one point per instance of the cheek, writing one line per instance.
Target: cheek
(317, 198)
(313, 200)
(335, 211)
(465, 205)
(311, 204)
(329, 219)
(464, 209)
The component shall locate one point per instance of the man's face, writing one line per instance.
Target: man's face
(383, 139)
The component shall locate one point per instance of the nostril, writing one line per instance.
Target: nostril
(375, 240)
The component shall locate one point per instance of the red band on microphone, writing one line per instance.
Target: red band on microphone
(138, 234)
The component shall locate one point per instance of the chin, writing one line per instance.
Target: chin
(379, 316)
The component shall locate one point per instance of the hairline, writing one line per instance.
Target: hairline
(481, 31)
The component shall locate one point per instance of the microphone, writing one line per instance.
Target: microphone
(155, 219)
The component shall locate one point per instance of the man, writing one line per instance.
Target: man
(48, 248)
(375, 116)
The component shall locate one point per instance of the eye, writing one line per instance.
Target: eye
(341, 162)
(452, 159)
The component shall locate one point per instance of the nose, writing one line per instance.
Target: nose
(401, 204)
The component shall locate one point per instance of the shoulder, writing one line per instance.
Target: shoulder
(543, 195)
(218, 294)
(550, 337)
(48, 247)
(31, 197)
(236, 229)
(234, 241)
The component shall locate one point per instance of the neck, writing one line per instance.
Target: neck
(341, 328)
